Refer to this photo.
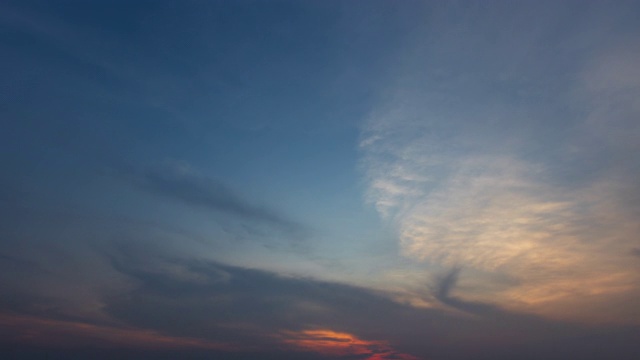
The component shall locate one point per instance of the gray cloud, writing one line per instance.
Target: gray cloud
(443, 292)
(182, 183)
(187, 298)
(204, 299)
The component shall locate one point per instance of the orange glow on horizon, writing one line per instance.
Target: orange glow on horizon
(332, 343)
(69, 334)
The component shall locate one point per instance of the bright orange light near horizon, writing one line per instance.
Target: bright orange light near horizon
(332, 343)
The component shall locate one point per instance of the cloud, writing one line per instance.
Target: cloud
(471, 175)
(37, 331)
(182, 305)
(232, 305)
(181, 182)
(444, 287)
(338, 345)
(233, 298)
(446, 284)
(496, 213)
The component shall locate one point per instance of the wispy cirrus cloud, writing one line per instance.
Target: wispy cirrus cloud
(518, 187)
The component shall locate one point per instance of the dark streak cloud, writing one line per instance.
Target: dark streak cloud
(180, 182)
(445, 286)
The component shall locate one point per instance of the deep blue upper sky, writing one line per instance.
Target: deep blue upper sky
(320, 179)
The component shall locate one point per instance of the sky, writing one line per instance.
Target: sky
(436, 180)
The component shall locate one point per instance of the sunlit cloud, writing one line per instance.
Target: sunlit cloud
(464, 199)
(339, 344)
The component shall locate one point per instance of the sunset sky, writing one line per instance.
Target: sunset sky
(435, 180)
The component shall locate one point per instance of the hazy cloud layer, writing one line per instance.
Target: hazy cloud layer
(197, 307)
